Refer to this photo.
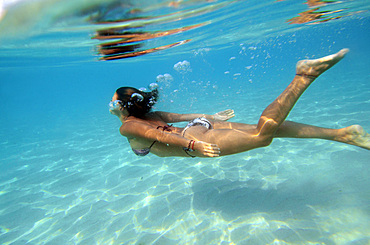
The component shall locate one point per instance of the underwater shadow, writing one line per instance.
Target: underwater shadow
(237, 198)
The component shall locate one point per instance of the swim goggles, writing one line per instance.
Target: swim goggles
(114, 105)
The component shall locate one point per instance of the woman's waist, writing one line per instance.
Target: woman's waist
(142, 143)
(162, 150)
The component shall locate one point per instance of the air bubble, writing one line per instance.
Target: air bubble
(182, 66)
(165, 79)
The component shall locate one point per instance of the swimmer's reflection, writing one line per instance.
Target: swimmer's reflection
(314, 15)
(128, 43)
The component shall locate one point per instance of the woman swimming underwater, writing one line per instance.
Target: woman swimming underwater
(210, 135)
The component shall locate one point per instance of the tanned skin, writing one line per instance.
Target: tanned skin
(228, 138)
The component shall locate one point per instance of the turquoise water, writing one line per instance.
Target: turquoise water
(68, 177)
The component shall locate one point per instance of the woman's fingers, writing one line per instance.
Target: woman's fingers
(212, 150)
(227, 114)
(230, 113)
(207, 149)
(211, 155)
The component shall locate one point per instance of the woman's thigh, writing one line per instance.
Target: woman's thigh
(230, 141)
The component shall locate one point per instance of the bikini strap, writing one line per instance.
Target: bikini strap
(150, 147)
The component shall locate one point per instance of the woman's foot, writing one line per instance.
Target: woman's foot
(354, 135)
(314, 68)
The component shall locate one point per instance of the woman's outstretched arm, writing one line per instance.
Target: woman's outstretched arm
(137, 129)
(175, 117)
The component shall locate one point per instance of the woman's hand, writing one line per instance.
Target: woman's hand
(224, 115)
(206, 149)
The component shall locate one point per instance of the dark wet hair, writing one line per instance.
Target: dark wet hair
(135, 105)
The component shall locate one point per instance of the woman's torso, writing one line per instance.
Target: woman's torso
(139, 144)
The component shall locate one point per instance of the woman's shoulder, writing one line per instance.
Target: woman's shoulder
(132, 124)
(150, 119)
